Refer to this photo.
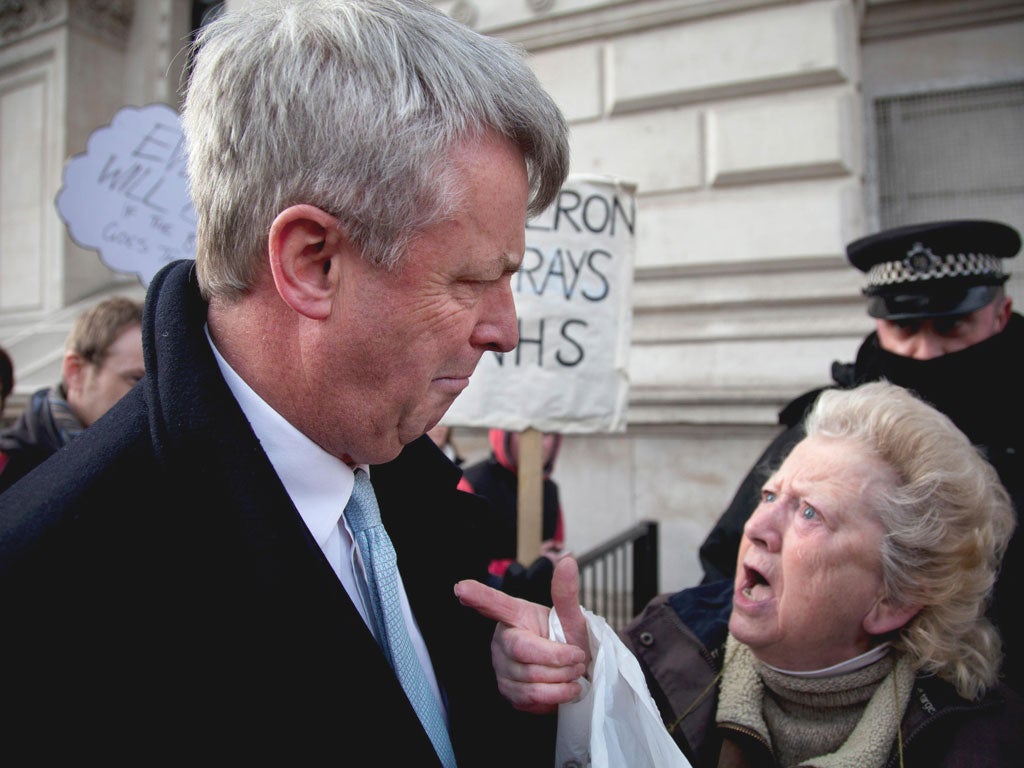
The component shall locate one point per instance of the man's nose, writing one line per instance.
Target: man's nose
(497, 329)
(926, 344)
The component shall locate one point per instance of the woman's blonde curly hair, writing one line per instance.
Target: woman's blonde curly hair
(948, 520)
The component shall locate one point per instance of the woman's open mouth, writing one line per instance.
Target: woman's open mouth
(755, 586)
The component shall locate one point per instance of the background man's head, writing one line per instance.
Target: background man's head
(103, 357)
(937, 287)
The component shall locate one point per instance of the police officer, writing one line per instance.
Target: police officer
(945, 328)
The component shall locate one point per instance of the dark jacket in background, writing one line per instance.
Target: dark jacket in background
(162, 596)
(43, 428)
(496, 478)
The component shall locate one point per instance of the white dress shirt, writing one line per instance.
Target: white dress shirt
(319, 486)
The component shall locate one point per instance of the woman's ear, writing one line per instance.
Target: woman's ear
(885, 617)
(304, 244)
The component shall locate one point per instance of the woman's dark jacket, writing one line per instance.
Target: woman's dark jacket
(679, 640)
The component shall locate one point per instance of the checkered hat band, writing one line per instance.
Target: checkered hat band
(951, 265)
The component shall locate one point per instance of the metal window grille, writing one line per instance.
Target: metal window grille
(951, 154)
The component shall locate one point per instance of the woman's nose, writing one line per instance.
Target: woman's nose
(762, 527)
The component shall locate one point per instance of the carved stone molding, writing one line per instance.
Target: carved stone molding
(110, 19)
(901, 18)
(539, 6)
(20, 17)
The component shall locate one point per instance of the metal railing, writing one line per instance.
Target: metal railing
(619, 577)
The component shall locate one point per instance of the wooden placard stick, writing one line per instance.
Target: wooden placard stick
(530, 513)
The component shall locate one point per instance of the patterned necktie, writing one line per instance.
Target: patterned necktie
(381, 568)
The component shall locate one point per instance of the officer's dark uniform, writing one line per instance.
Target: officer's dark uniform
(937, 270)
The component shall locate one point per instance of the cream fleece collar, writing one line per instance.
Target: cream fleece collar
(741, 701)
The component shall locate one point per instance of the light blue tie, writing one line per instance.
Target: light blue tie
(381, 568)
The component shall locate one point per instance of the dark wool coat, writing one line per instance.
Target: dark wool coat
(162, 596)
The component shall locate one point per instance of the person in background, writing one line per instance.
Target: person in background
(253, 555)
(445, 440)
(102, 362)
(6, 379)
(497, 479)
(854, 632)
(945, 329)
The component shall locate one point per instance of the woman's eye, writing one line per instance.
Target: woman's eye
(768, 496)
(809, 513)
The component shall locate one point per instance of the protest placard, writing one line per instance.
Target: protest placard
(574, 300)
(127, 197)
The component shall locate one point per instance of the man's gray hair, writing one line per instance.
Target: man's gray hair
(352, 106)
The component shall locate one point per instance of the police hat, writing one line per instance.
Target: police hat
(938, 269)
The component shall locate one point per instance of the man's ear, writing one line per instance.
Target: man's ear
(304, 245)
(72, 371)
(885, 617)
(1003, 313)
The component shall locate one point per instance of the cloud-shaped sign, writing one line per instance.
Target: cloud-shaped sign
(127, 195)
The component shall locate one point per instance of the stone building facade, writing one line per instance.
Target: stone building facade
(762, 136)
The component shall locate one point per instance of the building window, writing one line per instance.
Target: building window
(951, 154)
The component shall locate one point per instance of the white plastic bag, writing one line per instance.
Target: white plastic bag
(615, 722)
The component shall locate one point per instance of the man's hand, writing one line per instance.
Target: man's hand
(534, 673)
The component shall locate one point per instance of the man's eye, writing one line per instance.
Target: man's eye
(948, 325)
(768, 496)
(909, 326)
(809, 513)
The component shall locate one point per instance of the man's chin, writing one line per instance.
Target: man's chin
(381, 450)
(383, 455)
